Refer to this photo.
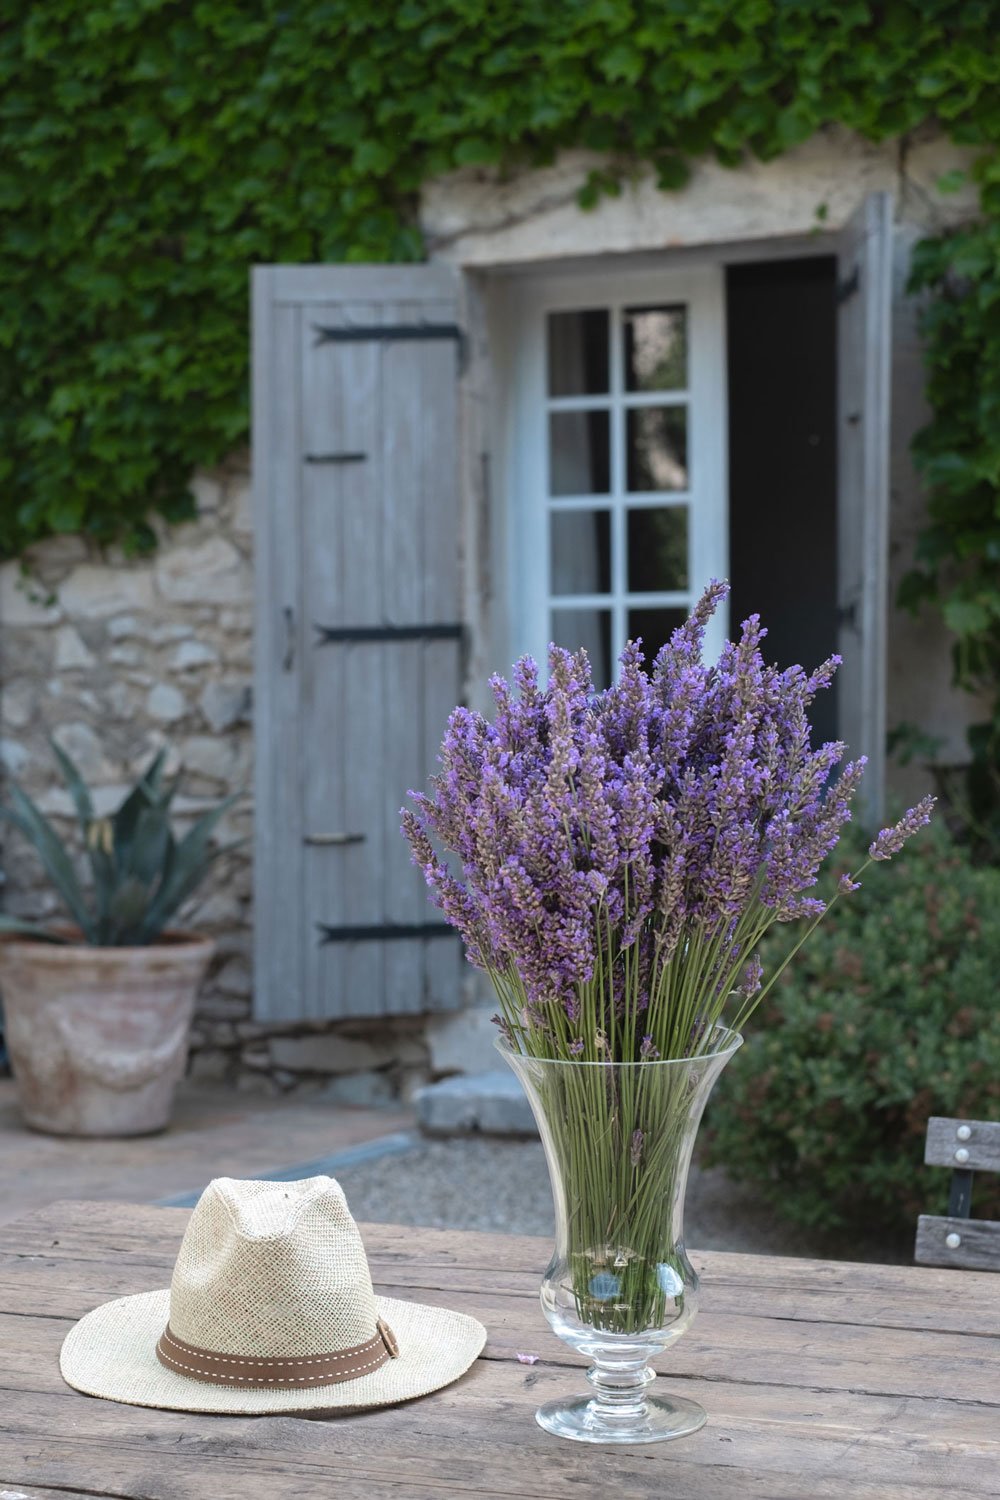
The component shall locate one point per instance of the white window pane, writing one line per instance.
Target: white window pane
(658, 549)
(656, 448)
(578, 353)
(580, 551)
(579, 453)
(655, 348)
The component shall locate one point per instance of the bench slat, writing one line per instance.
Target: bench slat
(982, 1144)
(978, 1247)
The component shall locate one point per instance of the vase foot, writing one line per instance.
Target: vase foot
(656, 1419)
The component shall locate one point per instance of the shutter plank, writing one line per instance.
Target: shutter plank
(442, 660)
(279, 934)
(362, 603)
(408, 396)
(326, 495)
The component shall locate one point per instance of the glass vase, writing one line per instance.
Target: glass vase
(620, 1289)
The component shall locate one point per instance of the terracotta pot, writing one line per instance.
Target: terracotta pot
(98, 1037)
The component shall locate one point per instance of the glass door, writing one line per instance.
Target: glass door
(617, 478)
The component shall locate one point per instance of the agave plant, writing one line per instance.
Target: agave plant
(140, 873)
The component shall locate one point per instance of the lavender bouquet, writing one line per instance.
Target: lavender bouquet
(620, 856)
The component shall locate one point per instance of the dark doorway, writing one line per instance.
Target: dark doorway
(781, 328)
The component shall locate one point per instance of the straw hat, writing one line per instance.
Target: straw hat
(270, 1309)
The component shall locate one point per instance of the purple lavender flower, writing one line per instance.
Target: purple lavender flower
(615, 851)
(891, 840)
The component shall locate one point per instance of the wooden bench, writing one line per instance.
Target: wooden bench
(956, 1239)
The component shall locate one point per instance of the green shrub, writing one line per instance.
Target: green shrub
(889, 1014)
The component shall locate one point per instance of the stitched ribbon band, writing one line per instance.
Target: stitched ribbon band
(288, 1373)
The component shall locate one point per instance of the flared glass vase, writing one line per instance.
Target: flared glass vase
(620, 1289)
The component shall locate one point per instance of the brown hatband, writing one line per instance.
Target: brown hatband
(284, 1374)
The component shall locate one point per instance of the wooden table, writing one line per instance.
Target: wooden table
(820, 1379)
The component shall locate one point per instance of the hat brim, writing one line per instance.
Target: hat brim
(111, 1353)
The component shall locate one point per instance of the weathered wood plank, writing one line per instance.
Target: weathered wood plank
(970, 1144)
(825, 1409)
(478, 1438)
(108, 1235)
(325, 283)
(975, 1243)
(279, 638)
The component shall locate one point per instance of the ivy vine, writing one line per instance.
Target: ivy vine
(152, 150)
(957, 568)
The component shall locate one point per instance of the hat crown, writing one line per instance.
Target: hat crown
(268, 1269)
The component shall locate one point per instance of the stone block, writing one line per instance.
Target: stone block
(242, 511)
(210, 1065)
(224, 1008)
(17, 702)
(122, 626)
(222, 760)
(83, 746)
(210, 572)
(257, 1057)
(463, 1041)
(23, 602)
(165, 703)
(234, 978)
(192, 653)
(225, 704)
(363, 1090)
(72, 653)
(237, 621)
(170, 630)
(56, 553)
(492, 1103)
(14, 756)
(328, 1054)
(95, 592)
(207, 494)
(124, 656)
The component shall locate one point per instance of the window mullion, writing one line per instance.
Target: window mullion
(619, 623)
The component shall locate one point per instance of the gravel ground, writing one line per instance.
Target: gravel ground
(480, 1182)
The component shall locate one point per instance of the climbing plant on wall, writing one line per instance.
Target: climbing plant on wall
(152, 150)
(957, 569)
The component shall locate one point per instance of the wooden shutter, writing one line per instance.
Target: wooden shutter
(358, 633)
(864, 329)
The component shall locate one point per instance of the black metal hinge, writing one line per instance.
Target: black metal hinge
(394, 333)
(385, 933)
(336, 458)
(383, 633)
(847, 287)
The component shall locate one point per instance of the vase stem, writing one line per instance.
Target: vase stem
(619, 1392)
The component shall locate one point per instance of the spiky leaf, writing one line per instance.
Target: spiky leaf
(46, 842)
(75, 785)
(129, 906)
(187, 868)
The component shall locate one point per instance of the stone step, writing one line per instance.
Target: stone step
(492, 1103)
